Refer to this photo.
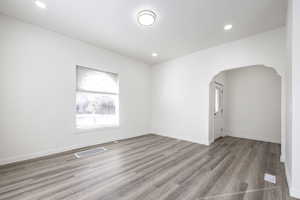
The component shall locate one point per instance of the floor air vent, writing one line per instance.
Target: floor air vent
(90, 152)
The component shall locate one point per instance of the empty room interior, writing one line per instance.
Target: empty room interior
(149, 100)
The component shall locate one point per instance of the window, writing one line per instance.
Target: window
(218, 99)
(97, 98)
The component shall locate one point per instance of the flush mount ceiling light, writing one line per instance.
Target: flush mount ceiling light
(154, 54)
(228, 27)
(40, 4)
(146, 17)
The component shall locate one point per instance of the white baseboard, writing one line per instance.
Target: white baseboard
(42, 154)
(51, 152)
(292, 191)
(38, 154)
(295, 193)
(207, 143)
(288, 177)
(254, 138)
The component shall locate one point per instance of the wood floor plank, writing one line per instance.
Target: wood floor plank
(152, 167)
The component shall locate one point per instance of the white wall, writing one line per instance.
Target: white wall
(254, 103)
(289, 111)
(293, 139)
(180, 87)
(296, 99)
(37, 84)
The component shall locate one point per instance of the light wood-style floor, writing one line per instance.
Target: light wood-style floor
(152, 167)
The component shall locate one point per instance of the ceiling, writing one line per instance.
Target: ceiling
(182, 26)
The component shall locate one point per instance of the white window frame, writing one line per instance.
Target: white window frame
(117, 94)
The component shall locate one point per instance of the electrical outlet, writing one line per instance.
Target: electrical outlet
(270, 178)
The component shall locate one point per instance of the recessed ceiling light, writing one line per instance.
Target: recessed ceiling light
(154, 54)
(228, 27)
(40, 4)
(146, 17)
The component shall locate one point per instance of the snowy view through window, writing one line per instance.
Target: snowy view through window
(96, 99)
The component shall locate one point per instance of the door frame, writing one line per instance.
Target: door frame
(221, 105)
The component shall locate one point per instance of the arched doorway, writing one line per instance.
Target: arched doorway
(246, 102)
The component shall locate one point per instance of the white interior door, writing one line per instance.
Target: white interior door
(218, 111)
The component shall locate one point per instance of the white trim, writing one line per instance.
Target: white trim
(295, 193)
(41, 154)
(53, 151)
(254, 138)
(207, 143)
(292, 191)
(287, 174)
(95, 128)
(282, 158)
(288, 177)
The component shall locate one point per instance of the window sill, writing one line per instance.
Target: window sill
(97, 128)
